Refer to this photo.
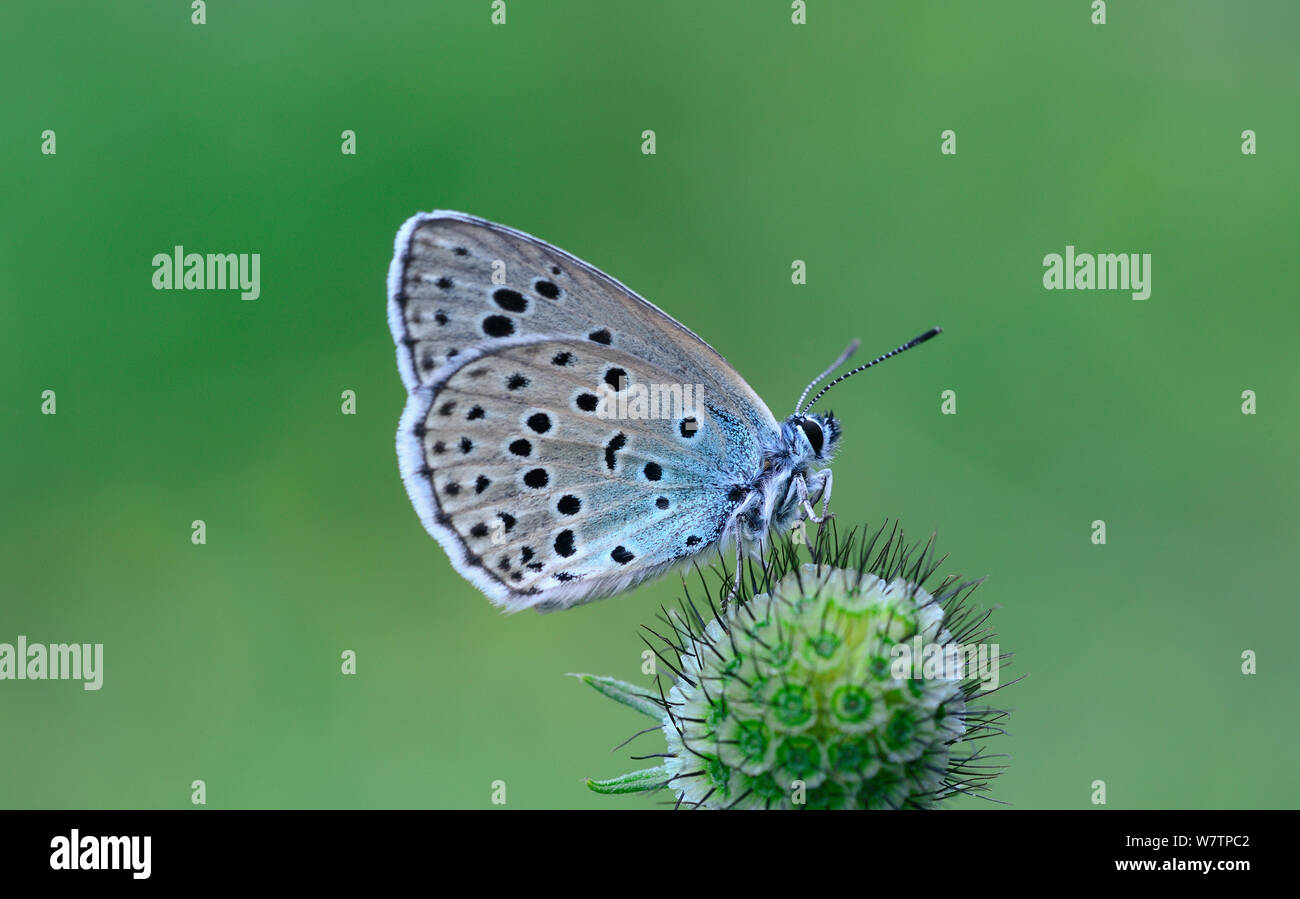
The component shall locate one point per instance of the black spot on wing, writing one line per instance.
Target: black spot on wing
(510, 300)
(498, 326)
(621, 555)
(616, 443)
(564, 543)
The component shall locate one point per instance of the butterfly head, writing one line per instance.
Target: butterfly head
(812, 437)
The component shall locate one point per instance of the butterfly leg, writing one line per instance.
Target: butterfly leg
(820, 482)
(736, 515)
(823, 487)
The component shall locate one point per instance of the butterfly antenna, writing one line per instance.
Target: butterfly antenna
(844, 357)
(915, 341)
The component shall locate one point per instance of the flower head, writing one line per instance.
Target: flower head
(839, 682)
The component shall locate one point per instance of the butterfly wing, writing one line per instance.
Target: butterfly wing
(542, 502)
(539, 499)
(444, 298)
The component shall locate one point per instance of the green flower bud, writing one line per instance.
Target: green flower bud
(837, 685)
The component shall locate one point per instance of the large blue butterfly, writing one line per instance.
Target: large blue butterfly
(564, 439)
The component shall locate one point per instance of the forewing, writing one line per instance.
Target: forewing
(459, 283)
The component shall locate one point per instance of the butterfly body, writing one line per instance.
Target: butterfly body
(775, 499)
(519, 447)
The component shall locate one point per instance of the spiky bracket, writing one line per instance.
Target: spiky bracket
(704, 653)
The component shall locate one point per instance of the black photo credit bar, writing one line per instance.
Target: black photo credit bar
(216, 847)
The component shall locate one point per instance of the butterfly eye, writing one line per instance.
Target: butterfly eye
(813, 432)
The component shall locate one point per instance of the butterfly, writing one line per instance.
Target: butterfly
(563, 438)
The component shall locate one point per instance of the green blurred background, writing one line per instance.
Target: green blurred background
(775, 142)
